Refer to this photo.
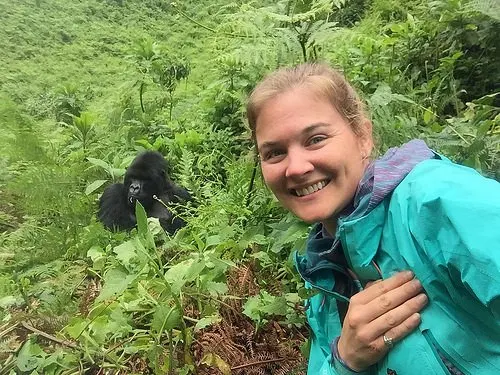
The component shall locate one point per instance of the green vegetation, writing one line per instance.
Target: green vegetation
(86, 84)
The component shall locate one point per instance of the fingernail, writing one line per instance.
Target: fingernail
(422, 298)
(416, 283)
(409, 274)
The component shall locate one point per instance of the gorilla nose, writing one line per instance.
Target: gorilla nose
(134, 188)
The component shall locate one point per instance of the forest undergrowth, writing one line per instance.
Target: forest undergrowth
(85, 85)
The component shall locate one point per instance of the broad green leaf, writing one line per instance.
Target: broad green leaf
(216, 288)
(165, 318)
(187, 369)
(100, 329)
(119, 321)
(94, 186)
(191, 273)
(160, 141)
(483, 128)
(263, 257)
(55, 361)
(222, 264)
(178, 271)
(199, 242)
(117, 172)
(76, 327)
(126, 252)
(142, 219)
(402, 98)
(194, 270)
(95, 253)
(98, 257)
(428, 116)
(251, 236)
(144, 143)
(293, 297)
(207, 321)
(275, 306)
(251, 308)
(99, 163)
(264, 304)
(115, 283)
(30, 356)
(436, 128)
(214, 240)
(305, 348)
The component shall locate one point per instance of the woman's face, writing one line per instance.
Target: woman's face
(310, 157)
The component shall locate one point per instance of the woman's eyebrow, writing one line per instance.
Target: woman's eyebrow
(269, 144)
(313, 127)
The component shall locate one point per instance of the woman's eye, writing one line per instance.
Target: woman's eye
(316, 139)
(272, 154)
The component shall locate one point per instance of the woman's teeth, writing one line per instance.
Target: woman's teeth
(311, 189)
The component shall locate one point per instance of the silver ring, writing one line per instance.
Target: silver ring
(388, 341)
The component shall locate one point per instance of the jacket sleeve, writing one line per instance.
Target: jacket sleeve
(324, 324)
(455, 218)
(330, 365)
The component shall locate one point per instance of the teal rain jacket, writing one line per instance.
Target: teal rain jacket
(443, 223)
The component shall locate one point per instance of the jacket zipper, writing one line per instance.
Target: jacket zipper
(329, 292)
(440, 352)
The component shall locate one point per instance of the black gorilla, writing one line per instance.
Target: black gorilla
(145, 177)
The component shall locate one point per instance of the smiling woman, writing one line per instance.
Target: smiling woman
(304, 144)
(411, 215)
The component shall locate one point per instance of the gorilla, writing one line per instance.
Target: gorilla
(146, 180)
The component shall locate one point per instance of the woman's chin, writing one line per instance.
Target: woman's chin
(313, 217)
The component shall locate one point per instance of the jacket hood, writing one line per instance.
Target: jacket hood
(384, 175)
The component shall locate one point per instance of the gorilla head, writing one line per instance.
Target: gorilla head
(146, 181)
(146, 177)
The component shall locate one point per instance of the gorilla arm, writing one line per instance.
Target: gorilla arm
(168, 220)
(114, 211)
(176, 194)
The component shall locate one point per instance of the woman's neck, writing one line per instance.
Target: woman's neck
(330, 226)
(331, 223)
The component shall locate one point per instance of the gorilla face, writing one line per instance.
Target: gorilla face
(145, 177)
(142, 191)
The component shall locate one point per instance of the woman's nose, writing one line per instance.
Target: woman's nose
(298, 164)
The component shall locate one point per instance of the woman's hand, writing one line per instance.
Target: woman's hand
(389, 307)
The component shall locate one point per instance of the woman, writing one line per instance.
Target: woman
(410, 210)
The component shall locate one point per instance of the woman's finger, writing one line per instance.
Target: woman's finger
(392, 299)
(370, 283)
(398, 333)
(380, 288)
(398, 316)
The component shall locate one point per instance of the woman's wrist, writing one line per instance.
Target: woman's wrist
(334, 347)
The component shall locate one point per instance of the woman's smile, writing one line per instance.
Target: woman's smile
(311, 189)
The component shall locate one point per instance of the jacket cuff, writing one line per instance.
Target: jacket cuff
(339, 365)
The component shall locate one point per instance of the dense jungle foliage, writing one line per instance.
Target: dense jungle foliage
(86, 84)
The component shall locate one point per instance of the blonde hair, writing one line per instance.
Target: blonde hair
(325, 81)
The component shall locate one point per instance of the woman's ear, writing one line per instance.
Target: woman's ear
(366, 138)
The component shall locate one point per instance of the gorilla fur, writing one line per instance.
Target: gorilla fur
(146, 177)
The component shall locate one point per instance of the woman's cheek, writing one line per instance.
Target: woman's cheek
(270, 174)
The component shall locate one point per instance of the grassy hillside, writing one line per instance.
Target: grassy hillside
(85, 85)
